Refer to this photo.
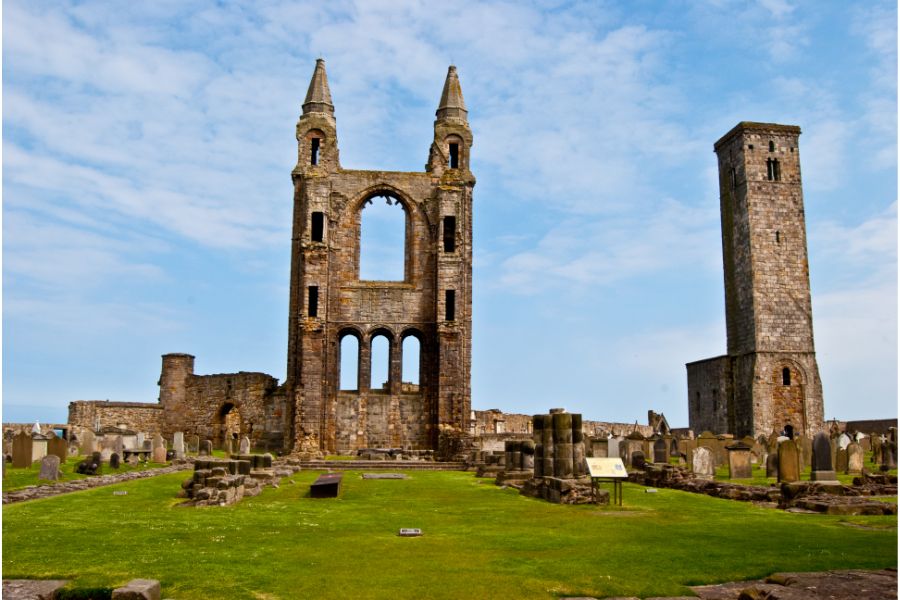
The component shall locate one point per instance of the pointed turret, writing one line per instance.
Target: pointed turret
(452, 104)
(318, 96)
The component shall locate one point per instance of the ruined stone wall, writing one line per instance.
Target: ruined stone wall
(486, 422)
(709, 394)
(135, 416)
(602, 428)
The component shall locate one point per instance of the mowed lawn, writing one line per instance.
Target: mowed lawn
(480, 541)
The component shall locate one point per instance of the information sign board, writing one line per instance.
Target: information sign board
(612, 468)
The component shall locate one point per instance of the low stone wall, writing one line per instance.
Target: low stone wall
(564, 491)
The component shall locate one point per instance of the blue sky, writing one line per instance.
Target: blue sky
(147, 150)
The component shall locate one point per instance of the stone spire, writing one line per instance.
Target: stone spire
(318, 96)
(452, 104)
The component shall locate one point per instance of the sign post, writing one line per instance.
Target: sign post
(607, 469)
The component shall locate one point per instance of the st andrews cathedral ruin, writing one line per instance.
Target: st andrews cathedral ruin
(768, 380)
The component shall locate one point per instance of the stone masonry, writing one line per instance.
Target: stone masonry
(769, 380)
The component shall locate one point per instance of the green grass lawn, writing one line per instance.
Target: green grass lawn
(17, 479)
(480, 541)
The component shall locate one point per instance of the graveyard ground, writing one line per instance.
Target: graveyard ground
(479, 541)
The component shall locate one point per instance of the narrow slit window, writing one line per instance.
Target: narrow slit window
(777, 237)
(449, 234)
(771, 146)
(317, 226)
(450, 305)
(312, 305)
(454, 156)
(777, 169)
(785, 376)
(314, 151)
(733, 178)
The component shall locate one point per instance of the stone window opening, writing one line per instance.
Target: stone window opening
(449, 234)
(314, 145)
(454, 155)
(348, 363)
(733, 178)
(317, 226)
(411, 376)
(715, 399)
(450, 305)
(773, 170)
(312, 304)
(383, 239)
(785, 376)
(380, 367)
(771, 146)
(777, 237)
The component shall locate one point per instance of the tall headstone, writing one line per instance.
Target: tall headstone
(772, 464)
(114, 460)
(703, 462)
(88, 443)
(840, 461)
(158, 442)
(889, 454)
(788, 462)
(822, 468)
(245, 445)
(805, 448)
(139, 440)
(22, 450)
(193, 444)
(854, 458)
(178, 444)
(159, 454)
(660, 451)
(613, 447)
(49, 468)
(739, 461)
(58, 447)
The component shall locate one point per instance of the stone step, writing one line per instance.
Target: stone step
(380, 465)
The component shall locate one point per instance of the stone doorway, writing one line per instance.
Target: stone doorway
(227, 425)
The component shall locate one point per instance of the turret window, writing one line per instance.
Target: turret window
(312, 304)
(454, 156)
(450, 305)
(317, 226)
(449, 234)
(314, 151)
(773, 170)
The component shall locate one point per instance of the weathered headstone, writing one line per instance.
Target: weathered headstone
(90, 465)
(660, 451)
(822, 468)
(21, 451)
(139, 440)
(159, 454)
(49, 468)
(58, 447)
(613, 447)
(805, 449)
(245, 445)
(788, 462)
(637, 459)
(206, 448)
(599, 447)
(88, 443)
(178, 444)
(772, 464)
(114, 460)
(193, 444)
(889, 454)
(739, 461)
(158, 442)
(854, 458)
(703, 463)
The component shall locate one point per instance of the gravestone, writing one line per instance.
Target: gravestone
(844, 441)
(245, 445)
(889, 454)
(58, 447)
(159, 454)
(660, 451)
(854, 458)
(637, 459)
(612, 449)
(840, 461)
(772, 464)
(805, 448)
(114, 460)
(822, 468)
(88, 443)
(194, 444)
(90, 465)
(158, 442)
(206, 448)
(178, 444)
(739, 461)
(788, 462)
(21, 450)
(703, 462)
(49, 468)
(139, 440)
(877, 444)
(599, 447)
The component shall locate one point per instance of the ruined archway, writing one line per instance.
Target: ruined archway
(226, 425)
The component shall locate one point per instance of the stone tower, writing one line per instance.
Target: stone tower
(329, 301)
(769, 379)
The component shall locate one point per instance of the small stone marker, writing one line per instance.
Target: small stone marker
(788, 462)
(49, 468)
(114, 461)
(120, 493)
(410, 532)
(384, 476)
(245, 445)
(854, 458)
(703, 463)
(327, 485)
(637, 460)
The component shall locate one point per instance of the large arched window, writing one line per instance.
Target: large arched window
(411, 360)
(349, 363)
(381, 362)
(382, 239)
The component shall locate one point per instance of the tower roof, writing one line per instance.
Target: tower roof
(318, 96)
(452, 104)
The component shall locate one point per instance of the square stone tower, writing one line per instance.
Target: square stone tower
(329, 301)
(769, 379)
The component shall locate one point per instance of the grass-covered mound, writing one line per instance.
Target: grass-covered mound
(479, 541)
